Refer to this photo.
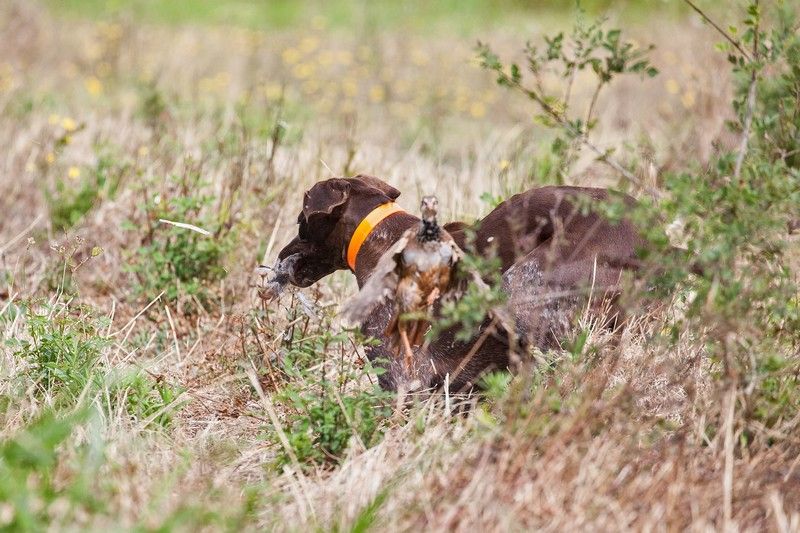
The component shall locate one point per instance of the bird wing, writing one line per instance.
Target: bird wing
(381, 284)
(462, 275)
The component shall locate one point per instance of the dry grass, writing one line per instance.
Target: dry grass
(626, 447)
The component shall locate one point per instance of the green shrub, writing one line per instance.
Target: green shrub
(744, 296)
(146, 397)
(31, 496)
(181, 262)
(327, 413)
(64, 350)
(469, 310)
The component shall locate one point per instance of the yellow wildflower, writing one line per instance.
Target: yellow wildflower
(377, 93)
(290, 56)
(273, 91)
(303, 71)
(477, 110)
(672, 86)
(50, 158)
(69, 124)
(349, 87)
(309, 44)
(143, 151)
(93, 86)
(74, 173)
(504, 164)
(112, 31)
(688, 99)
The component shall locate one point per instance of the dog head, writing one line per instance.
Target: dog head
(332, 209)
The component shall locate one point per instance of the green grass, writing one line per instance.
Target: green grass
(420, 15)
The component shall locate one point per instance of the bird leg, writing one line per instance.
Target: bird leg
(409, 354)
(432, 296)
(417, 333)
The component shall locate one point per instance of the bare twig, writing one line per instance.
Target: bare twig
(722, 32)
(727, 473)
(174, 332)
(748, 123)
(20, 235)
(591, 107)
(751, 104)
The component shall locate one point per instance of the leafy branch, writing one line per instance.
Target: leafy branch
(588, 48)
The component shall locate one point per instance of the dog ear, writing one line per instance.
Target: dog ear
(326, 198)
(377, 183)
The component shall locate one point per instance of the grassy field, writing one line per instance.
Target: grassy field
(144, 385)
(464, 17)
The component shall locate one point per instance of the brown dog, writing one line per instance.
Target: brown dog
(551, 236)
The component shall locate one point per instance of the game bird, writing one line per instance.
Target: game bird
(415, 272)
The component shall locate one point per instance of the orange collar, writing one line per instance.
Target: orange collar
(365, 227)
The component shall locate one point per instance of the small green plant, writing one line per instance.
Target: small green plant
(63, 350)
(153, 106)
(147, 397)
(495, 384)
(81, 190)
(181, 261)
(326, 421)
(328, 413)
(32, 494)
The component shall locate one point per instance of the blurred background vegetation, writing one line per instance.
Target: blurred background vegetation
(420, 15)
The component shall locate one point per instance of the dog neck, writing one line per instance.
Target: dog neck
(379, 241)
(367, 224)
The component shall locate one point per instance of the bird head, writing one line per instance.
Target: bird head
(429, 206)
